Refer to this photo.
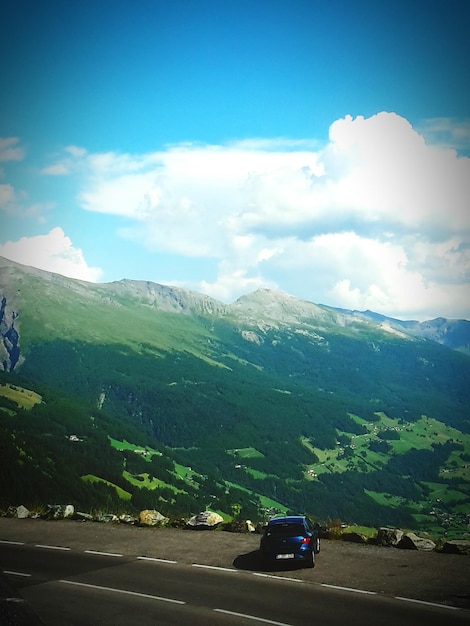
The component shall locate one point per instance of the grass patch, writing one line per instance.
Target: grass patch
(144, 480)
(68, 309)
(445, 493)
(367, 531)
(90, 478)
(24, 398)
(384, 499)
(9, 412)
(125, 445)
(357, 455)
(246, 453)
(185, 473)
(389, 500)
(256, 473)
(267, 503)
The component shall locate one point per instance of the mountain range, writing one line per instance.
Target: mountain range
(156, 395)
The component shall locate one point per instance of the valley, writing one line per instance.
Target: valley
(132, 395)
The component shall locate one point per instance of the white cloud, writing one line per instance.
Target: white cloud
(376, 218)
(7, 197)
(76, 151)
(58, 169)
(53, 252)
(14, 203)
(10, 150)
(391, 175)
(192, 200)
(233, 282)
(449, 133)
(71, 160)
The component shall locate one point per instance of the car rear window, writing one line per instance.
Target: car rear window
(286, 530)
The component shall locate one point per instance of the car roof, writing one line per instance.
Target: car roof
(288, 519)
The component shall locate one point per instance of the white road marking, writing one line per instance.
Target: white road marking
(436, 604)
(102, 553)
(372, 593)
(253, 617)
(123, 591)
(213, 567)
(220, 569)
(15, 600)
(293, 580)
(151, 558)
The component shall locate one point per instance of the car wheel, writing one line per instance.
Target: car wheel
(316, 549)
(310, 561)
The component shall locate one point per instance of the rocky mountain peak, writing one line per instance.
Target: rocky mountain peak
(167, 298)
(270, 304)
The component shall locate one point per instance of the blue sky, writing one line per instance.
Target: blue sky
(317, 148)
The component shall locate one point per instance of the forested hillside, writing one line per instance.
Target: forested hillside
(156, 397)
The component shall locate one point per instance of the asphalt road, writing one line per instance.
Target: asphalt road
(179, 577)
(86, 587)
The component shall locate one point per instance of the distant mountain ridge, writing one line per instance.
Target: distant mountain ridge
(263, 308)
(453, 333)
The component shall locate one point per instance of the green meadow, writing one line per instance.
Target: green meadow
(24, 398)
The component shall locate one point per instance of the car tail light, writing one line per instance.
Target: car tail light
(305, 540)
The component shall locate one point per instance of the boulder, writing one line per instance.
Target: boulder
(240, 526)
(59, 511)
(456, 546)
(410, 541)
(389, 536)
(83, 517)
(150, 517)
(127, 519)
(205, 520)
(21, 512)
(251, 528)
(106, 518)
(69, 510)
(180, 522)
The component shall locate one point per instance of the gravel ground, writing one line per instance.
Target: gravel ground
(427, 576)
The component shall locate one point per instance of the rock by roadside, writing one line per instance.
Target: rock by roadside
(209, 519)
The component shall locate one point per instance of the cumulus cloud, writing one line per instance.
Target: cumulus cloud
(375, 218)
(391, 175)
(53, 252)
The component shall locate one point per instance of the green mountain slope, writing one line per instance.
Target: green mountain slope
(268, 400)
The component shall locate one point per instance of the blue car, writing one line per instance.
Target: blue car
(291, 538)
